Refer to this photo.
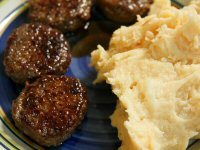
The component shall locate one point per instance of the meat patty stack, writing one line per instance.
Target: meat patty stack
(51, 106)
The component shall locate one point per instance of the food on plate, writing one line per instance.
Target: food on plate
(66, 15)
(34, 50)
(124, 11)
(154, 69)
(50, 109)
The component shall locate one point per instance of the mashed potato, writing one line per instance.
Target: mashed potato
(154, 69)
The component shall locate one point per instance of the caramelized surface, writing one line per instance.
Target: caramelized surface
(50, 109)
(66, 15)
(34, 50)
(124, 11)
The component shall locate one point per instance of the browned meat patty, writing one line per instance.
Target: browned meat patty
(50, 109)
(34, 50)
(66, 15)
(124, 11)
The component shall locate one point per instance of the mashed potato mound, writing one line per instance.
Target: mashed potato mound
(154, 69)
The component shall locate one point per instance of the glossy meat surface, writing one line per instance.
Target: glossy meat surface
(34, 50)
(66, 15)
(124, 11)
(49, 109)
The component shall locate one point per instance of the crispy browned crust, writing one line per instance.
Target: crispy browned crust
(50, 109)
(34, 50)
(124, 11)
(66, 15)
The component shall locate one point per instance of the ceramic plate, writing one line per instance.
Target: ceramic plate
(95, 133)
